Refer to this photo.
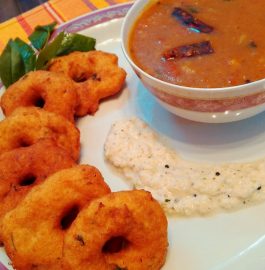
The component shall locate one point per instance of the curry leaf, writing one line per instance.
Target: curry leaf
(49, 51)
(41, 35)
(76, 42)
(5, 65)
(27, 54)
(64, 44)
(17, 59)
(17, 64)
(11, 64)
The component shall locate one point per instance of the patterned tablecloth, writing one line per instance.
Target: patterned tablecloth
(59, 11)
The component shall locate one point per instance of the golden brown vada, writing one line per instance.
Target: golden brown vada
(48, 90)
(26, 125)
(23, 168)
(33, 233)
(122, 230)
(97, 76)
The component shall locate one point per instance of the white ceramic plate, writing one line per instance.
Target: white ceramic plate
(234, 241)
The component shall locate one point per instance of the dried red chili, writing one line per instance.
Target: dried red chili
(190, 50)
(190, 21)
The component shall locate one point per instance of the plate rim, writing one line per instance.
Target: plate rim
(93, 18)
(76, 23)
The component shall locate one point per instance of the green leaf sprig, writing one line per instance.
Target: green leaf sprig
(40, 37)
(64, 44)
(18, 57)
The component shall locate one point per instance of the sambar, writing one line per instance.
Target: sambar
(237, 41)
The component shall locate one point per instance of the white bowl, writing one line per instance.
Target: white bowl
(211, 105)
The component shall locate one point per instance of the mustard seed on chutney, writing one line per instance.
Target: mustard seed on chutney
(201, 43)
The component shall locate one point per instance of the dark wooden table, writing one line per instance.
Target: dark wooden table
(12, 8)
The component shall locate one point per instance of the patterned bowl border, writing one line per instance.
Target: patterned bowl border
(86, 21)
(209, 106)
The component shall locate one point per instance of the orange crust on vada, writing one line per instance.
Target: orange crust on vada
(33, 233)
(96, 75)
(122, 230)
(23, 168)
(49, 90)
(26, 125)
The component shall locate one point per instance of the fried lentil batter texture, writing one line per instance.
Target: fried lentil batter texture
(96, 75)
(25, 167)
(33, 233)
(122, 230)
(49, 90)
(26, 125)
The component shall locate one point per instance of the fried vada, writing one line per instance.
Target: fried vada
(48, 90)
(33, 233)
(122, 230)
(96, 74)
(23, 168)
(26, 125)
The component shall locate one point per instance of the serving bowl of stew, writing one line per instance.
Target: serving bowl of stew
(203, 60)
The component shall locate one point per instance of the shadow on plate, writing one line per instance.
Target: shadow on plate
(180, 129)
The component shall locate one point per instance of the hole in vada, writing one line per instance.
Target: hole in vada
(115, 244)
(27, 180)
(23, 143)
(69, 216)
(39, 102)
(80, 78)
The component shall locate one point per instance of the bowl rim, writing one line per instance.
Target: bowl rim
(126, 30)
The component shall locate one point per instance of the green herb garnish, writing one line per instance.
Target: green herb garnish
(41, 35)
(49, 51)
(64, 44)
(18, 57)
(76, 42)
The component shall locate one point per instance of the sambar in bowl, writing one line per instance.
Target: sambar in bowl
(203, 59)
